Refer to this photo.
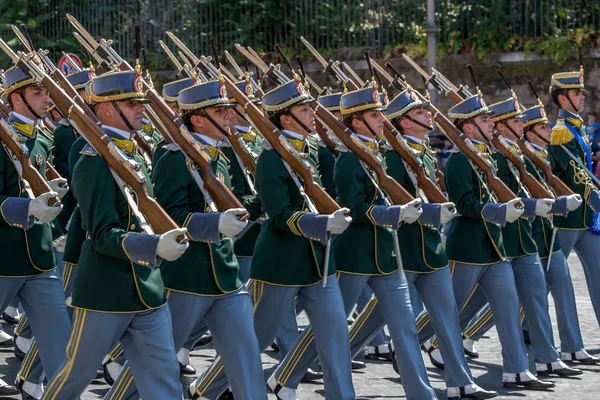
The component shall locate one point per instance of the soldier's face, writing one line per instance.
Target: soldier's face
(133, 112)
(516, 125)
(423, 116)
(221, 117)
(485, 124)
(543, 130)
(375, 120)
(37, 97)
(338, 115)
(578, 98)
(305, 115)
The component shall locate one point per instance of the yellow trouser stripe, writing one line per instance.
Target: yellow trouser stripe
(66, 278)
(21, 325)
(59, 381)
(479, 322)
(362, 318)
(122, 383)
(116, 352)
(522, 313)
(210, 376)
(28, 361)
(298, 351)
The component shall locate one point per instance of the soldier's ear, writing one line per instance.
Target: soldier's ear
(196, 121)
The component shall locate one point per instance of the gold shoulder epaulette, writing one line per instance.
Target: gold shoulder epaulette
(561, 134)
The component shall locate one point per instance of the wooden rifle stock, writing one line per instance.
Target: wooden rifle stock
(126, 169)
(324, 203)
(51, 172)
(398, 143)
(535, 188)
(36, 181)
(222, 196)
(555, 183)
(396, 192)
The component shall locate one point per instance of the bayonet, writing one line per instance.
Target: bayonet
(70, 61)
(172, 57)
(234, 64)
(184, 48)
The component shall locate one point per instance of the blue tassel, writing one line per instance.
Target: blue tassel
(595, 228)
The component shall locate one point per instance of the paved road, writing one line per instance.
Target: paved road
(379, 381)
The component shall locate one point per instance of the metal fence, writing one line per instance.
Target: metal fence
(331, 25)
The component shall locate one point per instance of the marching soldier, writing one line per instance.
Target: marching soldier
(31, 375)
(29, 268)
(293, 234)
(521, 247)
(116, 258)
(204, 283)
(425, 262)
(484, 262)
(558, 278)
(571, 161)
(372, 263)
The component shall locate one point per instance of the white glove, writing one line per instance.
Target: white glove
(447, 212)
(60, 186)
(168, 248)
(543, 207)
(40, 209)
(60, 243)
(573, 202)
(512, 212)
(411, 211)
(338, 221)
(230, 224)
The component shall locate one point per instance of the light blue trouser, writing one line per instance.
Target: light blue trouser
(587, 248)
(325, 309)
(361, 303)
(558, 279)
(43, 301)
(415, 299)
(148, 344)
(238, 347)
(31, 368)
(497, 282)
(395, 308)
(286, 336)
(436, 290)
(533, 295)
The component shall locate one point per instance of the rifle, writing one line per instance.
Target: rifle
(223, 198)
(324, 203)
(444, 85)
(27, 172)
(459, 139)
(398, 143)
(127, 170)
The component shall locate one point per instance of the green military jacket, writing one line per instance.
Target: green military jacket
(541, 228)
(420, 245)
(244, 246)
(64, 137)
(326, 167)
(208, 269)
(471, 239)
(365, 248)
(76, 234)
(283, 255)
(110, 277)
(26, 252)
(570, 173)
(518, 241)
(159, 150)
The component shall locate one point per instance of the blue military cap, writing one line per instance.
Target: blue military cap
(15, 78)
(171, 90)
(330, 101)
(79, 79)
(505, 109)
(365, 99)
(567, 80)
(534, 115)
(403, 103)
(116, 86)
(207, 94)
(291, 93)
(468, 108)
(245, 87)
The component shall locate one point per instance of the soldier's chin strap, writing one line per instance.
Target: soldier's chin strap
(299, 122)
(203, 113)
(125, 120)
(485, 138)
(360, 118)
(571, 101)
(422, 125)
(22, 94)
